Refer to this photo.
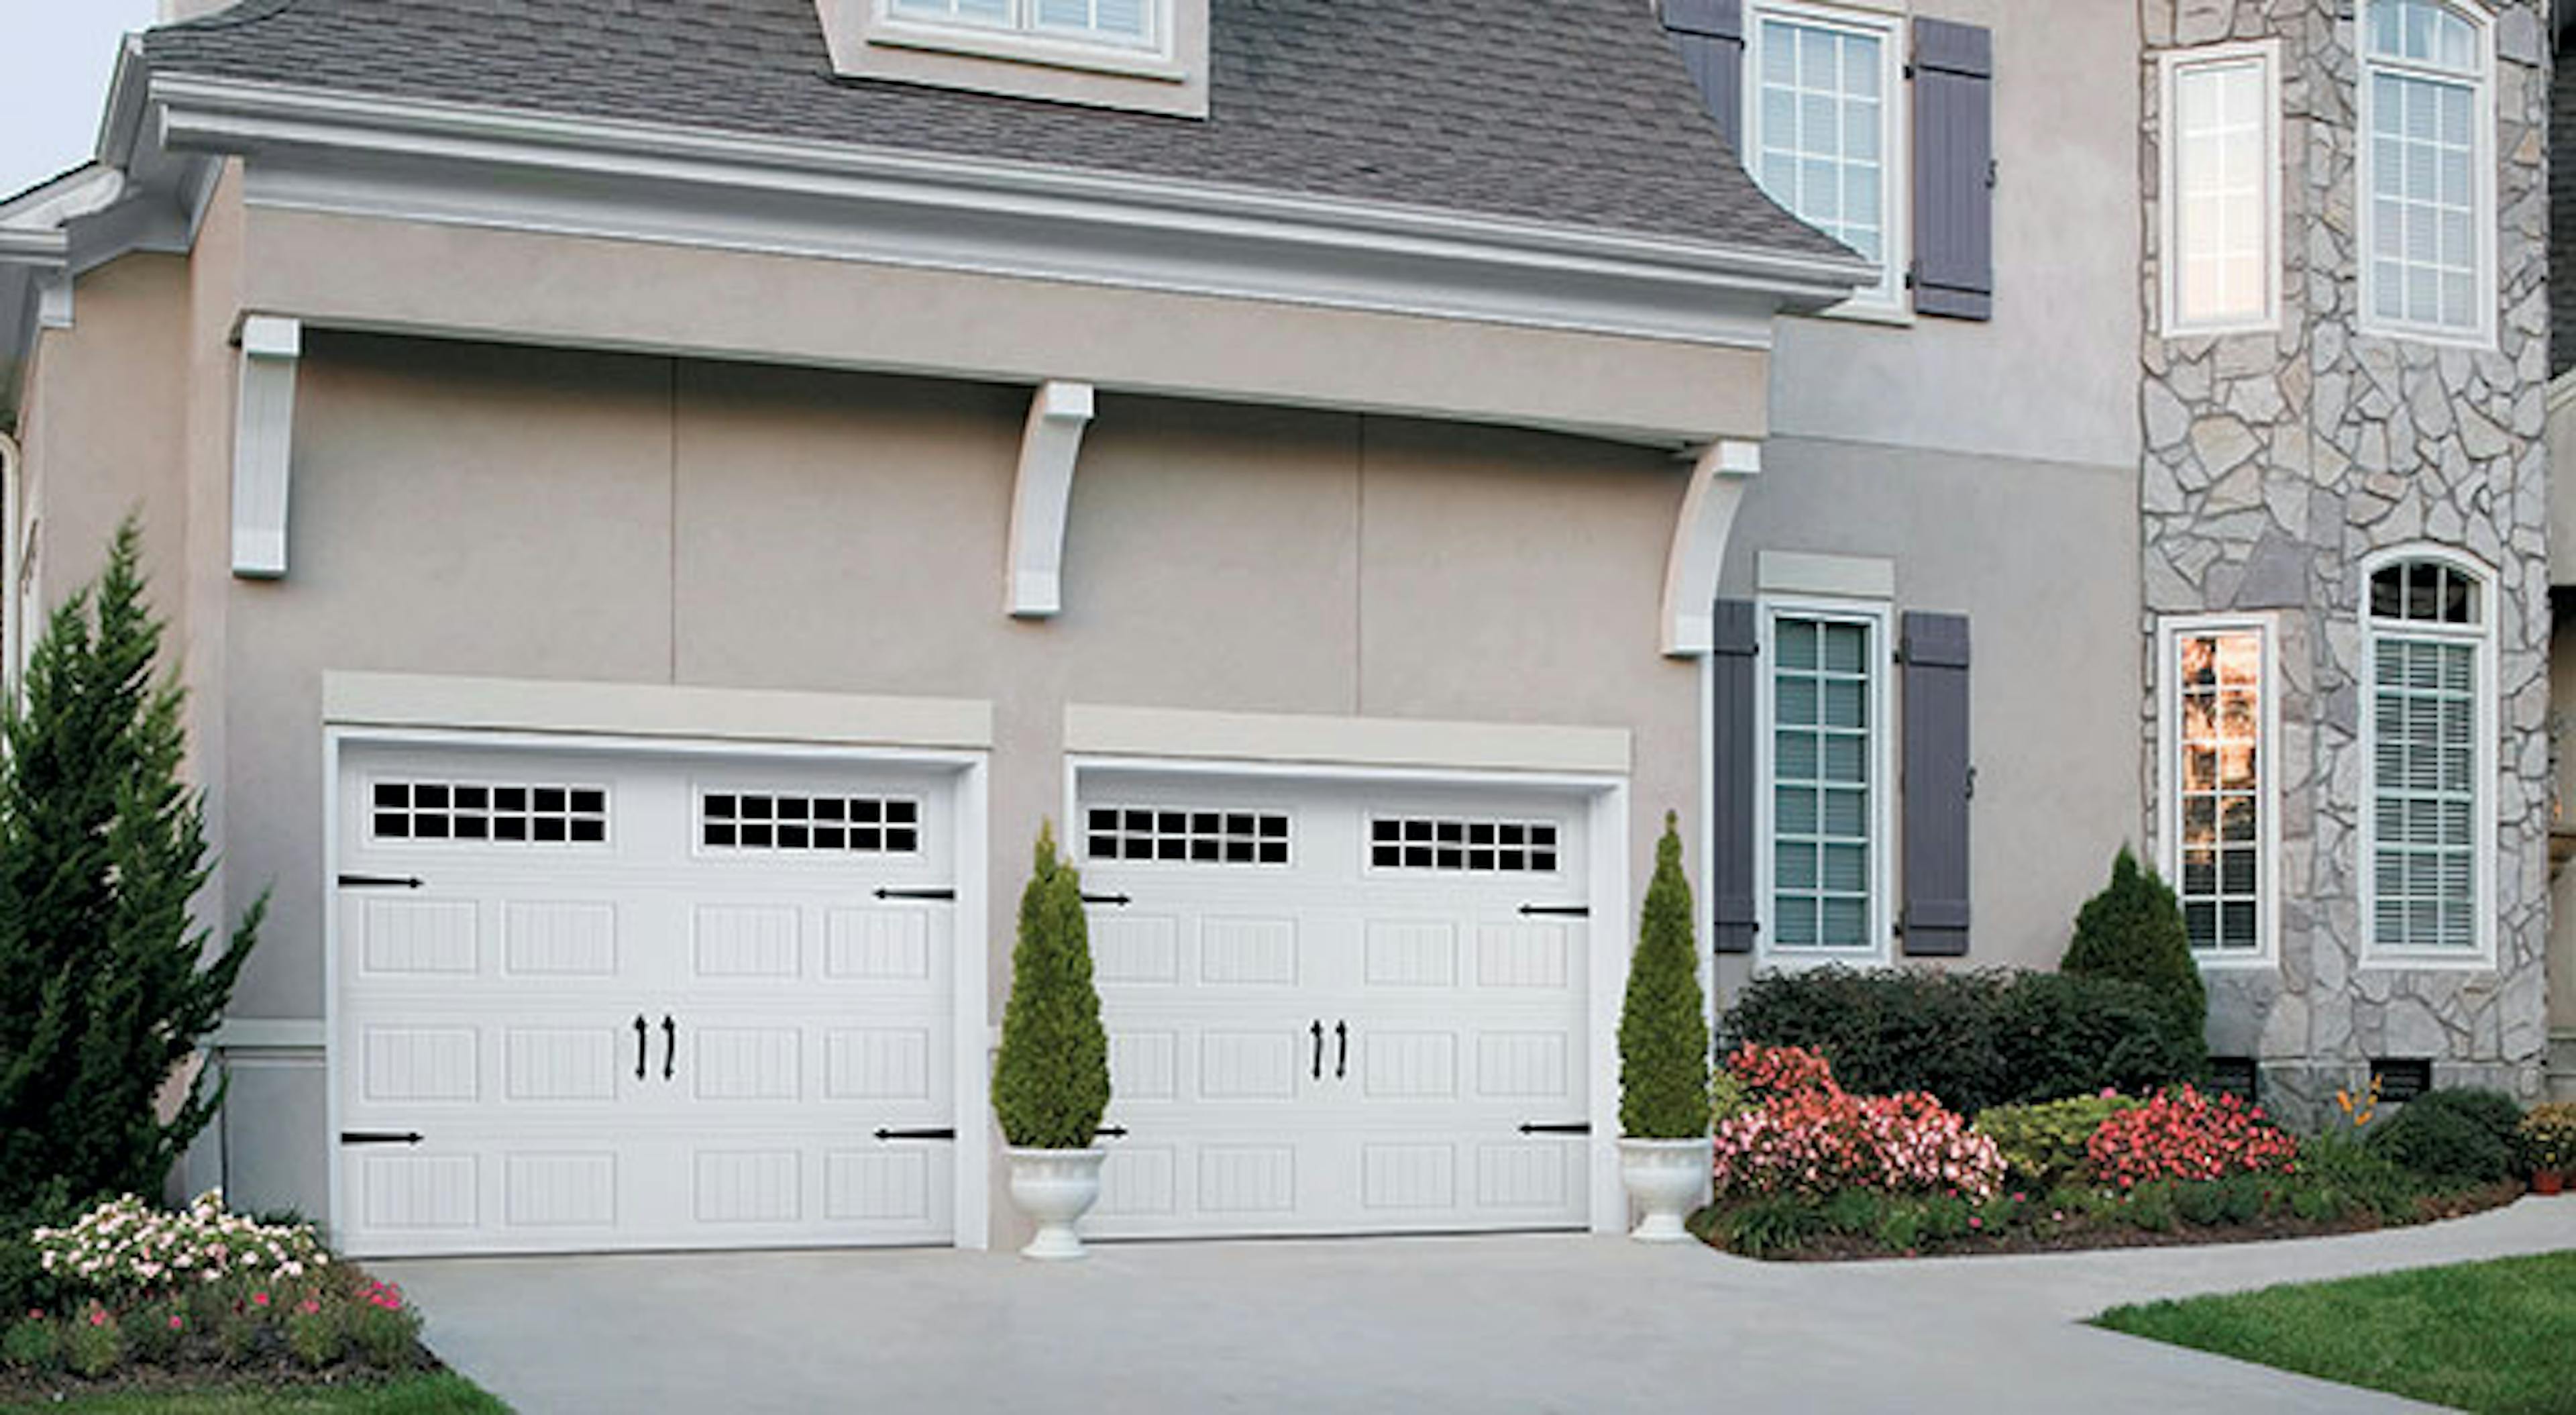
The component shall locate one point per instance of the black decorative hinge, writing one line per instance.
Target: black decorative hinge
(383, 882)
(885, 1134)
(947, 894)
(1114, 1132)
(380, 1137)
(1560, 911)
(1582, 1127)
(1116, 901)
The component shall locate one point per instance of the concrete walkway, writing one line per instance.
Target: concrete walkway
(1471, 1324)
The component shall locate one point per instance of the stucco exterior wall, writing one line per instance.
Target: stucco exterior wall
(466, 509)
(2276, 464)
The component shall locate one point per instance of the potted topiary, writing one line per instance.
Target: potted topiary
(1663, 1057)
(2549, 1145)
(1051, 1082)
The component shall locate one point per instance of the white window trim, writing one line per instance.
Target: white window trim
(2484, 766)
(1881, 618)
(2170, 631)
(1156, 57)
(2172, 65)
(2483, 217)
(1890, 300)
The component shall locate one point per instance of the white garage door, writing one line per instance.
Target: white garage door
(1338, 1009)
(590, 1001)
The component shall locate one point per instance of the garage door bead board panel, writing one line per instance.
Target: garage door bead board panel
(631, 1001)
(1335, 1009)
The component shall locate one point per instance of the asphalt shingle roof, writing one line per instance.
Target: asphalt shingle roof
(1574, 112)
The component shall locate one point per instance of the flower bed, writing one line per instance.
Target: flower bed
(132, 1296)
(1804, 1169)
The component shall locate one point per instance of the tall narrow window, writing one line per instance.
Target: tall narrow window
(1822, 128)
(2428, 759)
(2222, 182)
(2427, 181)
(1823, 690)
(2218, 807)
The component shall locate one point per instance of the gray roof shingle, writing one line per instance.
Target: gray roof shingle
(1573, 112)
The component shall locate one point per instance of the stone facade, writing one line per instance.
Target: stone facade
(2276, 463)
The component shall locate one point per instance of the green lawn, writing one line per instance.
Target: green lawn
(2489, 1337)
(427, 1395)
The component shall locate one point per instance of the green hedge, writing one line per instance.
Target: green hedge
(2459, 1135)
(1975, 1039)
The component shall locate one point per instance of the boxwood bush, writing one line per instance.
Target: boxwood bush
(1975, 1039)
(2454, 1134)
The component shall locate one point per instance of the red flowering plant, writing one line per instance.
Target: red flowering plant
(2187, 1134)
(1803, 1133)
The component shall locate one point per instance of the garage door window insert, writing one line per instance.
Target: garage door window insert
(776, 821)
(1467, 846)
(1171, 835)
(483, 812)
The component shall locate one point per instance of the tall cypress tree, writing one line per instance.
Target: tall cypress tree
(1051, 1081)
(105, 984)
(1663, 1024)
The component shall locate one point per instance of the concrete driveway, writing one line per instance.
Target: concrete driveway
(1468, 1324)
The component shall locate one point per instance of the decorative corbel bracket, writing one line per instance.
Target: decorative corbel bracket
(1033, 580)
(1720, 475)
(263, 438)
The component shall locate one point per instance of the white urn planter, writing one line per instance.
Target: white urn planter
(1664, 1177)
(1055, 1188)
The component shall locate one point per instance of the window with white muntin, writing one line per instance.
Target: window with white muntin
(2222, 183)
(2428, 737)
(2427, 170)
(1134, 24)
(1824, 826)
(2220, 827)
(1824, 95)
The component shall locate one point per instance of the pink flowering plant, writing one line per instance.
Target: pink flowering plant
(126, 1248)
(1802, 1133)
(2189, 1134)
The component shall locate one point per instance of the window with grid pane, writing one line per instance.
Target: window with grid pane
(2426, 794)
(2219, 130)
(2423, 78)
(1104, 21)
(2219, 700)
(1820, 124)
(1822, 794)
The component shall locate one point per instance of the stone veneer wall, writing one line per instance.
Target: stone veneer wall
(2275, 463)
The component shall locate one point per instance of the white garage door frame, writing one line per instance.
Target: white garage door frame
(1606, 802)
(970, 1028)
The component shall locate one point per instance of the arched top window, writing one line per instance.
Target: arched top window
(2428, 210)
(2425, 32)
(2428, 592)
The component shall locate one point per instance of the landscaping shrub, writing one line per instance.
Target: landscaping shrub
(1663, 1026)
(95, 1343)
(2043, 1145)
(313, 1335)
(1807, 1135)
(384, 1329)
(2548, 1137)
(2133, 930)
(155, 1331)
(2460, 1135)
(125, 1247)
(31, 1344)
(1976, 1040)
(1051, 1081)
(2187, 1134)
(105, 983)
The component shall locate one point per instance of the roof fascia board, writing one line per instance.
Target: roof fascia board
(355, 154)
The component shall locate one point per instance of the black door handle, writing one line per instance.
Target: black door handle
(1318, 1030)
(670, 1044)
(1342, 1057)
(643, 1040)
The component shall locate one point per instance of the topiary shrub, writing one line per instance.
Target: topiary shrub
(1663, 1024)
(2453, 1136)
(2134, 930)
(2058, 1034)
(2043, 1145)
(1051, 1081)
(2548, 1138)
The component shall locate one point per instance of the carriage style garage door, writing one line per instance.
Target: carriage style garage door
(592, 1001)
(1337, 1008)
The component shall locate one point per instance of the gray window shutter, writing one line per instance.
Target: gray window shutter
(1711, 36)
(1954, 170)
(1938, 782)
(1731, 879)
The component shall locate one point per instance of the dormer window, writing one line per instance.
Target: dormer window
(1148, 55)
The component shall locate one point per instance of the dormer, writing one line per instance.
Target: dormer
(1149, 56)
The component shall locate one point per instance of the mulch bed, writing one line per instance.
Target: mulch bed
(205, 1377)
(1848, 1248)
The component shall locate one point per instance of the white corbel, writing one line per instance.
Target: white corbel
(1719, 477)
(54, 306)
(1033, 580)
(263, 438)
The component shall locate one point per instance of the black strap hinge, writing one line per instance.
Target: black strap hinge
(383, 882)
(1580, 1127)
(886, 1134)
(1562, 911)
(1115, 901)
(380, 1137)
(941, 894)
